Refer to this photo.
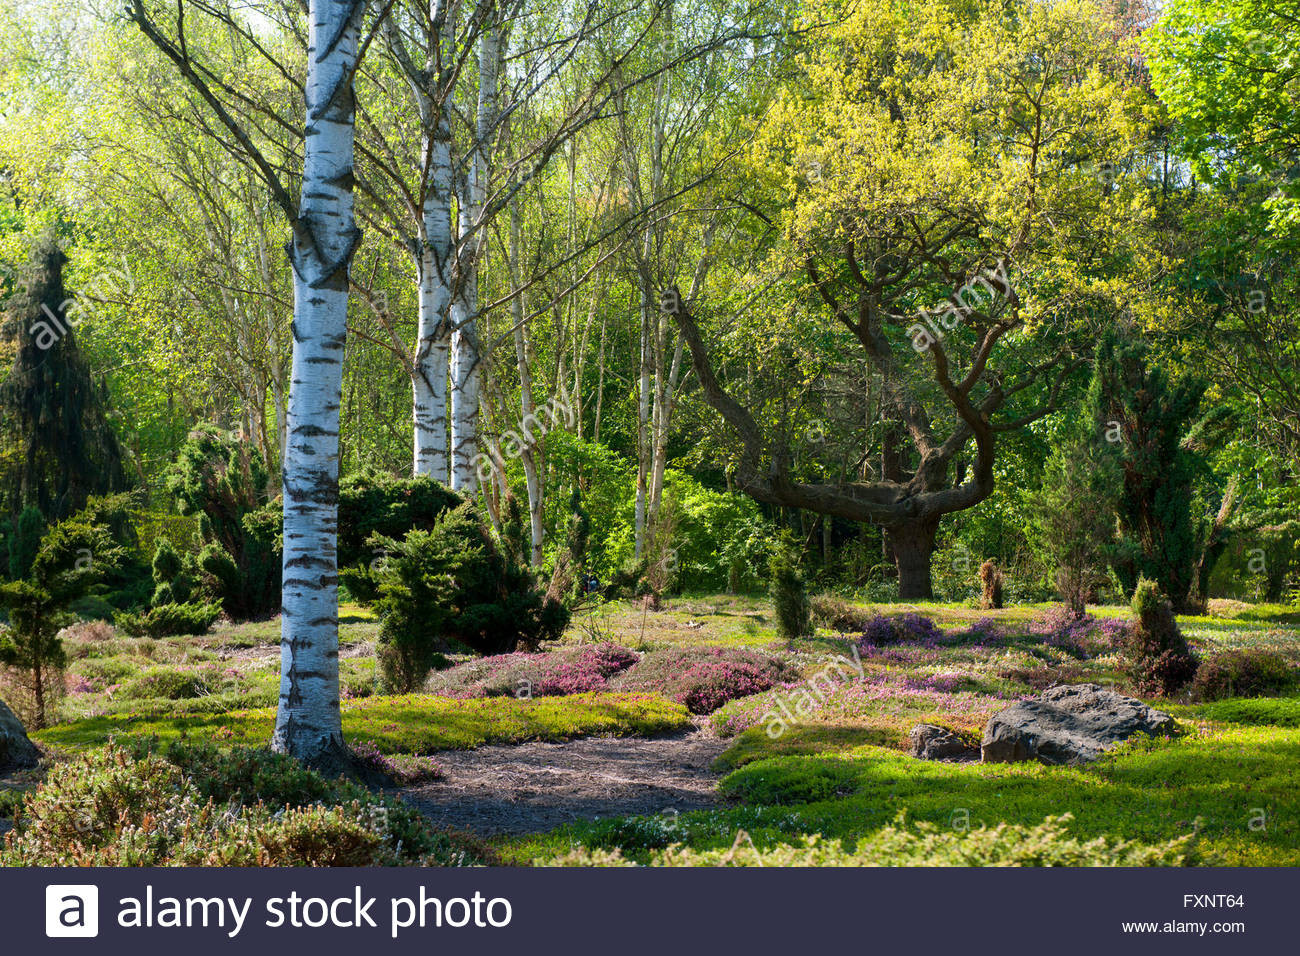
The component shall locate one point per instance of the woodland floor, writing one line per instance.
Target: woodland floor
(512, 790)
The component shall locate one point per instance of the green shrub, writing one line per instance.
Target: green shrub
(170, 575)
(221, 578)
(789, 596)
(371, 503)
(1159, 660)
(224, 481)
(1047, 844)
(1244, 673)
(453, 586)
(170, 619)
(25, 541)
(71, 558)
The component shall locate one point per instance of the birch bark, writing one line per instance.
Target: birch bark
(429, 366)
(466, 360)
(307, 722)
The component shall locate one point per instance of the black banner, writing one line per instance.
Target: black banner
(667, 912)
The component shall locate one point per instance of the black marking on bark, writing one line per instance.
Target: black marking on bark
(304, 584)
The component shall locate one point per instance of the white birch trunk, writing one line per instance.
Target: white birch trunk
(433, 266)
(307, 722)
(466, 360)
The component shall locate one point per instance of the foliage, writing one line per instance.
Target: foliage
(52, 412)
(1160, 662)
(197, 806)
(71, 558)
(1244, 673)
(789, 595)
(415, 723)
(449, 586)
(924, 844)
(371, 503)
(720, 541)
(193, 617)
(220, 478)
(1133, 397)
(1222, 68)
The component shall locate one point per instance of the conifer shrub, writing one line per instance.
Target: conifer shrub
(453, 587)
(789, 596)
(168, 620)
(221, 479)
(70, 559)
(29, 527)
(1159, 660)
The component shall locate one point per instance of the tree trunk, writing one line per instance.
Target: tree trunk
(912, 544)
(308, 725)
(466, 360)
(38, 689)
(433, 267)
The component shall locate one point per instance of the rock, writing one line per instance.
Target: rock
(16, 751)
(1074, 723)
(930, 742)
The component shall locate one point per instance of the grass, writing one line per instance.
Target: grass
(414, 724)
(1233, 788)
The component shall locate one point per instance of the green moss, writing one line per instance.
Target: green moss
(800, 740)
(408, 724)
(1255, 711)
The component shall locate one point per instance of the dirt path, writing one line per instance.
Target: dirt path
(526, 788)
